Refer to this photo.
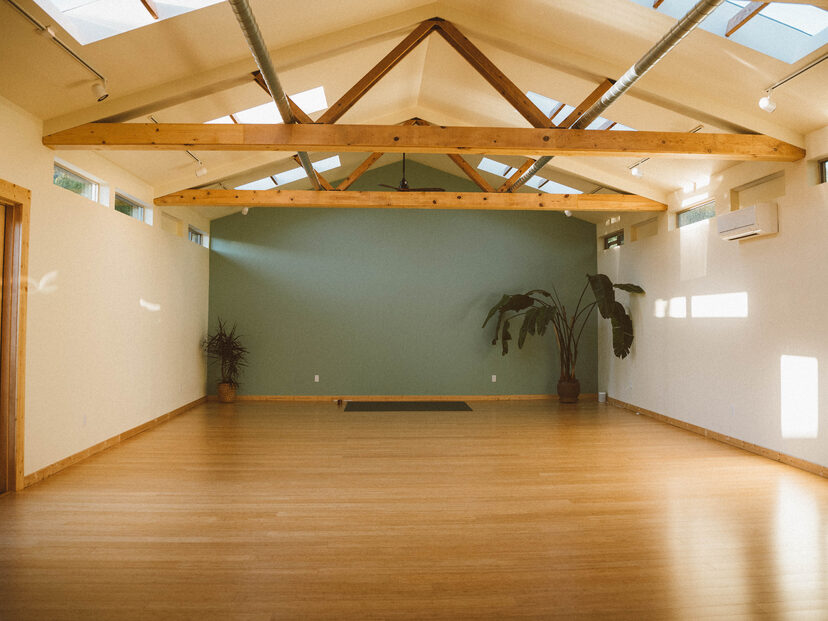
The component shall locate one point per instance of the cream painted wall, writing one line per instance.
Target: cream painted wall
(724, 373)
(116, 307)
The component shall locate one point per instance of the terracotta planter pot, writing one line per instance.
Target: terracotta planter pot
(226, 392)
(568, 390)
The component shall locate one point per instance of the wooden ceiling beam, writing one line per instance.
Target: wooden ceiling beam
(494, 76)
(412, 200)
(355, 93)
(420, 139)
(322, 181)
(471, 173)
(741, 18)
(516, 175)
(300, 115)
(586, 104)
(149, 5)
(573, 116)
(358, 171)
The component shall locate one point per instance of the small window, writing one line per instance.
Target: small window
(823, 171)
(614, 239)
(74, 182)
(129, 207)
(701, 212)
(194, 235)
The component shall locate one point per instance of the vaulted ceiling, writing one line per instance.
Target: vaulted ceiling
(197, 67)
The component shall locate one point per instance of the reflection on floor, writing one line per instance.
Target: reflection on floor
(517, 509)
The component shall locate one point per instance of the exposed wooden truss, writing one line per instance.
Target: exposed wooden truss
(421, 139)
(413, 200)
(471, 173)
(418, 136)
(344, 103)
(358, 171)
(493, 75)
(516, 175)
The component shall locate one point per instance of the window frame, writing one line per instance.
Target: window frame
(134, 203)
(96, 185)
(823, 171)
(202, 236)
(614, 239)
(700, 205)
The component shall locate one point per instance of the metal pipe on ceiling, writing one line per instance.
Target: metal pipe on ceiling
(681, 29)
(247, 21)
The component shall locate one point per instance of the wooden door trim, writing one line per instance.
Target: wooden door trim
(17, 202)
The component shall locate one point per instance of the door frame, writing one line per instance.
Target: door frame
(16, 201)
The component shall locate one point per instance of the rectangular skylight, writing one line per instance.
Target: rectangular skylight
(785, 31)
(266, 113)
(309, 101)
(539, 183)
(547, 105)
(259, 184)
(88, 21)
(289, 176)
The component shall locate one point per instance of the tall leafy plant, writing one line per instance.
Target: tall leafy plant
(541, 309)
(225, 346)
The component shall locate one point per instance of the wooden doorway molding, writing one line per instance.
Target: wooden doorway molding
(16, 202)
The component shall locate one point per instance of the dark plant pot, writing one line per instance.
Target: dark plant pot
(568, 390)
(226, 392)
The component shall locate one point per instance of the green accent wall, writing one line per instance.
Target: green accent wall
(391, 301)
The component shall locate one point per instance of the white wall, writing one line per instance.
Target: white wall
(724, 373)
(99, 361)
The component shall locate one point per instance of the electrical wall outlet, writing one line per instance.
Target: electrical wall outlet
(316, 378)
(494, 378)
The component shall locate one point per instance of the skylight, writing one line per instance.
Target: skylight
(558, 112)
(92, 20)
(294, 174)
(539, 183)
(309, 101)
(784, 31)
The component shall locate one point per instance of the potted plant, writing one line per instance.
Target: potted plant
(225, 345)
(540, 308)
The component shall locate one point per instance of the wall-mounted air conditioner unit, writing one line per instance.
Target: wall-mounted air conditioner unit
(753, 221)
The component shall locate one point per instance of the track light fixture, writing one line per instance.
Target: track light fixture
(245, 210)
(567, 213)
(99, 90)
(47, 32)
(201, 170)
(636, 171)
(767, 103)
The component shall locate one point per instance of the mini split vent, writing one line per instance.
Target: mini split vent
(754, 221)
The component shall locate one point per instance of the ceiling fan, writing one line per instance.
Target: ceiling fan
(403, 186)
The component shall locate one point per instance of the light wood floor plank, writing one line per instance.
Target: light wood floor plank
(527, 510)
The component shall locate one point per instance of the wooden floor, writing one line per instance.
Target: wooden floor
(523, 510)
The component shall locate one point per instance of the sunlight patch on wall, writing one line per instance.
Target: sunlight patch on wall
(800, 396)
(693, 242)
(719, 305)
(660, 308)
(678, 308)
